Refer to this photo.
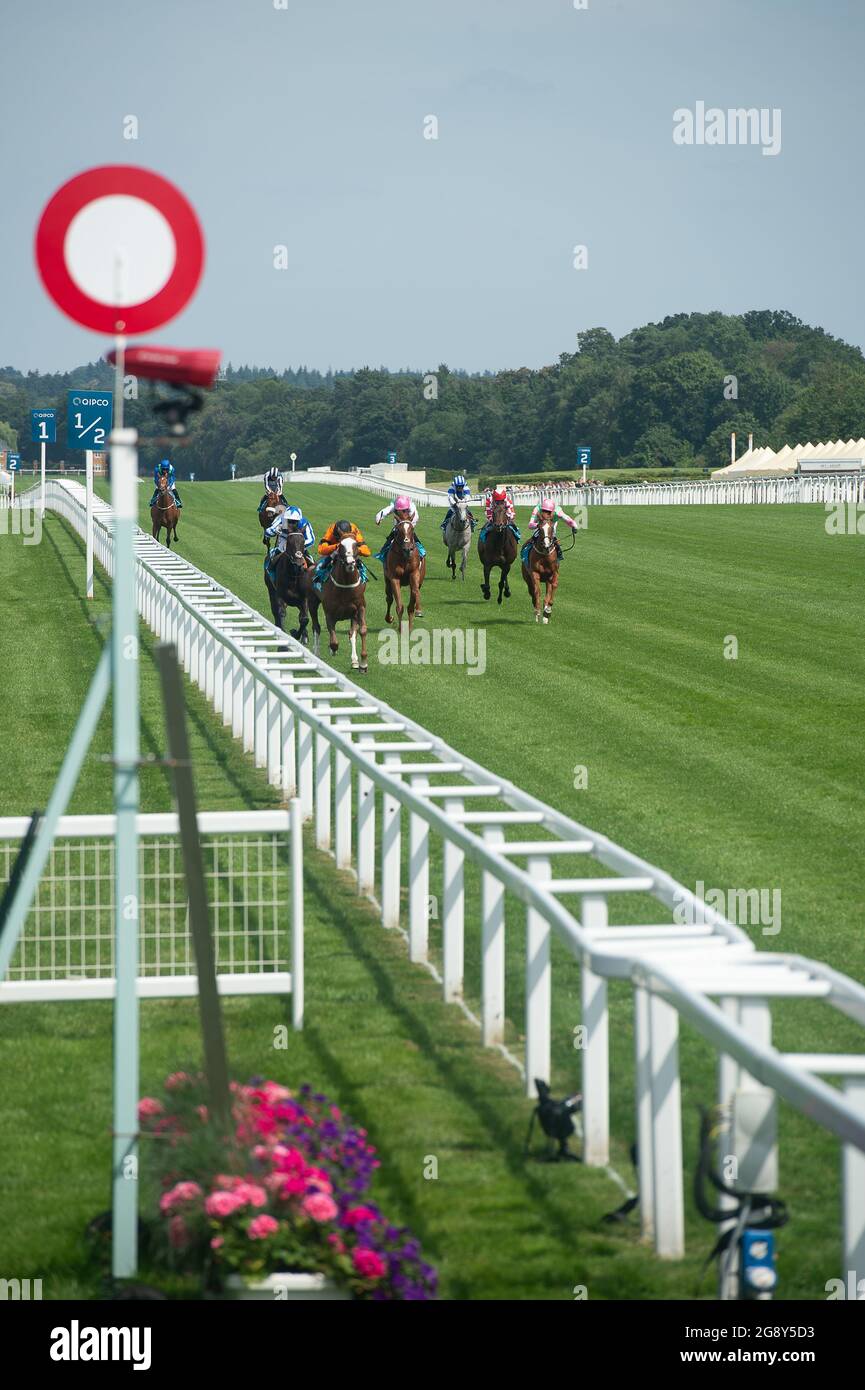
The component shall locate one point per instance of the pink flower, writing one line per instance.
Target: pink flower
(222, 1204)
(177, 1233)
(317, 1179)
(216, 1242)
(292, 1187)
(368, 1264)
(251, 1193)
(227, 1181)
(338, 1245)
(176, 1080)
(260, 1227)
(201, 1111)
(148, 1106)
(356, 1215)
(320, 1207)
(180, 1193)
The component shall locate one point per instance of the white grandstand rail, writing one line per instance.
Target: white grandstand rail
(423, 496)
(674, 970)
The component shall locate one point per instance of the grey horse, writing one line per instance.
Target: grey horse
(458, 537)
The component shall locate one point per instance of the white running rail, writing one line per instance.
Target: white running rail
(721, 492)
(354, 760)
(423, 496)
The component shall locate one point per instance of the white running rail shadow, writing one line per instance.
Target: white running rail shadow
(351, 759)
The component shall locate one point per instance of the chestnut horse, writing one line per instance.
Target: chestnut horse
(343, 595)
(498, 550)
(165, 512)
(276, 505)
(292, 587)
(404, 565)
(541, 566)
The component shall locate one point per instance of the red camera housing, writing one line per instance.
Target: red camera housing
(181, 366)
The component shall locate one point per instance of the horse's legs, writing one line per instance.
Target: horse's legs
(452, 565)
(419, 576)
(364, 663)
(504, 587)
(463, 565)
(388, 588)
(274, 603)
(332, 639)
(352, 640)
(485, 586)
(552, 585)
(535, 591)
(316, 625)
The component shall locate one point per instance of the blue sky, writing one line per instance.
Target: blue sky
(303, 127)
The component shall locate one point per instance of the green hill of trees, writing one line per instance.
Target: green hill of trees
(665, 395)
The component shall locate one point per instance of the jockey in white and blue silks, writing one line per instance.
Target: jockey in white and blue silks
(165, 467)
(273, 481)
(459, 491)
(292, 519)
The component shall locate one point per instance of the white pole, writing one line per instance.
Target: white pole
(733, 447)
(42, 499)
(12, 471)
(88, 564)
(584, 472)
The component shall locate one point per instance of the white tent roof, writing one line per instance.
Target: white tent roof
(765, 462)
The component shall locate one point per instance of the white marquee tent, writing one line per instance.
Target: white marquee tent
(847, 454)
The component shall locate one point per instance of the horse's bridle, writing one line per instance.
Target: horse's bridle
(463, 520)
(548, 544)
(407, 545)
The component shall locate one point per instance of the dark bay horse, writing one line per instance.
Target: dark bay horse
(404, 565)
(273, 508)
(541, 567)
(165, 512)
(292, 588)
(498, 550)
(343, 595)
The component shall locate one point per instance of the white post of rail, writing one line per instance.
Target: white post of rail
(669, 1206)
(596, 1053)
(538, 986)
(391, 850)
(853, 1197)
(492, 949)
(418, 881)
(643, 1079)
(88, 547)
(342, 806)
(322, 791)
(42, 490)
(296, 829)
(365, 827)
(453, 915)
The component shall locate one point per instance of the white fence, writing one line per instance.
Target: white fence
(254, 879)
(423, 496)
(720, 492)
(356, 764)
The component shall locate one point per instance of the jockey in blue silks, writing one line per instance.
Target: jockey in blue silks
(459, 491)
(165, 467)
(292, 519)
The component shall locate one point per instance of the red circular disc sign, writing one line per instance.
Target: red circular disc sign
(120, 249)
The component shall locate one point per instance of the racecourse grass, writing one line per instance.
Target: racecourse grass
(738, 772)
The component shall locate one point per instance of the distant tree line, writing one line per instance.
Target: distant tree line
(665, 395)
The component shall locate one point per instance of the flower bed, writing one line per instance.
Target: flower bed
(280, 1191)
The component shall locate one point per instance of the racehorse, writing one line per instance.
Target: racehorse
(458, 536)
(404, 565)
(498, 549)
(541, 566)
(165, 512)
(292, 585)
(343, 595)
(276, 505)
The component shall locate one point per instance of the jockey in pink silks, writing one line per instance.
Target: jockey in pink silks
(548, 510)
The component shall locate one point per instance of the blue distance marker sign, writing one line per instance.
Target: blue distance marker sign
(584, 458)
(43, 426)
(391, 458)
(88, 419)
(13, 463)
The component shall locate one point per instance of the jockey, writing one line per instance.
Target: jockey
(292, 519)
(403, 509)
(459, 491)
(273, 481)
(493, 499)
(548, 510)
(160, 468)
(329, 545)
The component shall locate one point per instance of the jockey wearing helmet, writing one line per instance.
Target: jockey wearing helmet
(168, 468)
(549, 510)
(459, 491)
(500, 495)
(273, 481)
(330, 542)
(403, 509)
(292, 519)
